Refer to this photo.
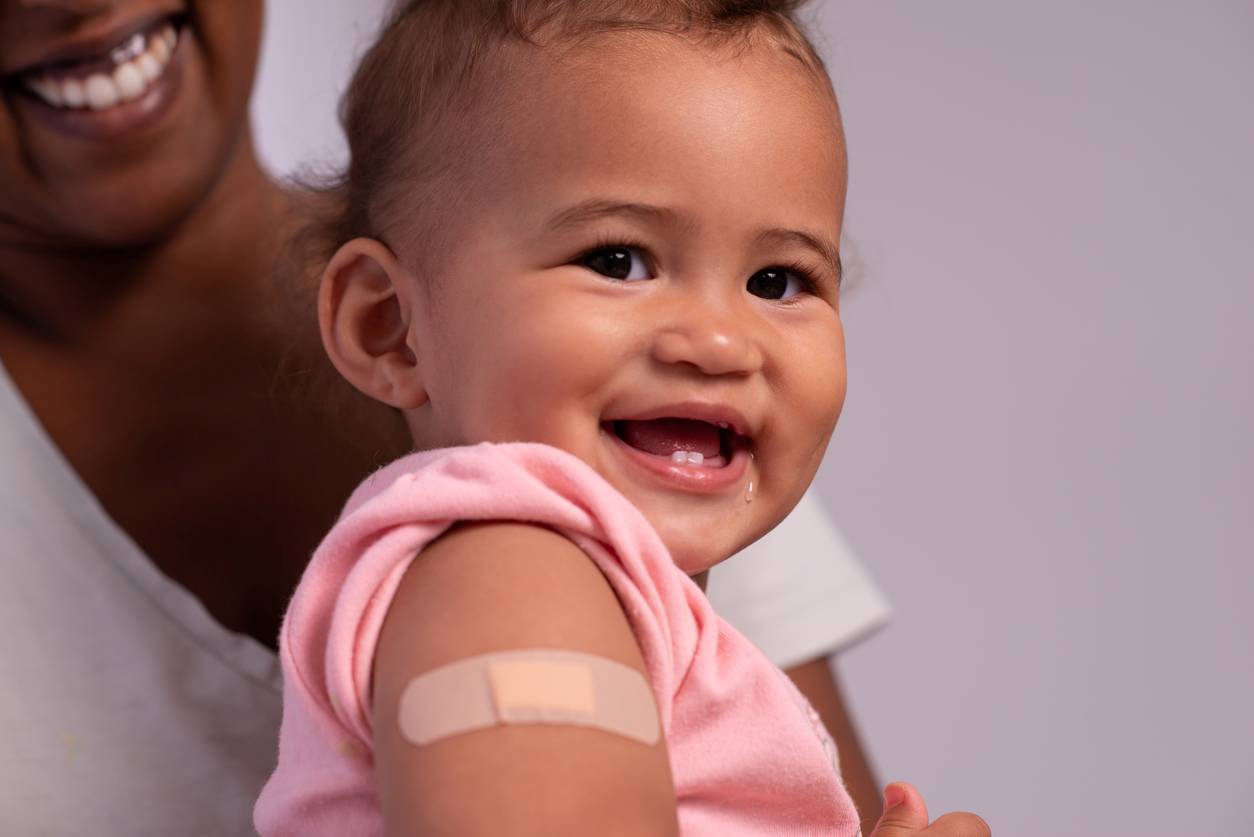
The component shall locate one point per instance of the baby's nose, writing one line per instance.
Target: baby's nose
(714, 342)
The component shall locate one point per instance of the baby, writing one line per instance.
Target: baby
(590, 253)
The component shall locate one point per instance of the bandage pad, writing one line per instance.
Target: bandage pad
(533, 686)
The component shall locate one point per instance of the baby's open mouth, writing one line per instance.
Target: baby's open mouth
(119, 74)
(683, 441)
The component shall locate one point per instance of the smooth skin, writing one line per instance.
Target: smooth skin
(493, 587)
(138, 281)
(702, 203)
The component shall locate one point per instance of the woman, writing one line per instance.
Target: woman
(162, 387)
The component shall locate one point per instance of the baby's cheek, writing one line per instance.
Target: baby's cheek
(818, 381)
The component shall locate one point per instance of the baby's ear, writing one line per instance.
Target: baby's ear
(364, 311)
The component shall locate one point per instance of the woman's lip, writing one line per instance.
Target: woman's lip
(117, 121)
(693, 478)
(91, 46)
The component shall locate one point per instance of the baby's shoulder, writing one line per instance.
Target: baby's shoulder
(485, 586)
(486, 474)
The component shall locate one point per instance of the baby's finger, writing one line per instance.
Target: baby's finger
(959, 825)
(904, 812)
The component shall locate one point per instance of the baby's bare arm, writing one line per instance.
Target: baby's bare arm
(495, 587)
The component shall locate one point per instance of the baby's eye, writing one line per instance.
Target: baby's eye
(617, 262)
(776, 283)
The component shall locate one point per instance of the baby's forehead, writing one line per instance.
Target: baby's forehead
(594, 88)
(648, 120)
(611, 60)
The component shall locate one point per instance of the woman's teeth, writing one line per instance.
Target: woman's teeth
(137, 64)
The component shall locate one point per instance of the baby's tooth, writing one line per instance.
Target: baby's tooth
(695, 458)
(129, 82)
(73, 94)
(149, 66)
(679, 457)
(101, 92)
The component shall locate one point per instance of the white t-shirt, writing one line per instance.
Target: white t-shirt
(799, 592)
(126, 709)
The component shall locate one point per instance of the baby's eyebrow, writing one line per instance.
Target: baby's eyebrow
(597, 208)
(822, 247)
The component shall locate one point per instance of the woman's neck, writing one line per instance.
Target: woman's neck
(185, 384)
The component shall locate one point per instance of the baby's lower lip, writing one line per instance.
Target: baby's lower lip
(698, 479)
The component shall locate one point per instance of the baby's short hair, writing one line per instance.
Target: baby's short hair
(426, 72)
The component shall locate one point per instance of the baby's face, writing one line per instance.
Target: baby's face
(647, 278)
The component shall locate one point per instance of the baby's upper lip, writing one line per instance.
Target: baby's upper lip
(708, 411)
(89, 46)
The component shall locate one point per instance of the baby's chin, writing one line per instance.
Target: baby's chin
(702, 532)
(695, 550)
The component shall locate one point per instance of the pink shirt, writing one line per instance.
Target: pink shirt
(748, 755)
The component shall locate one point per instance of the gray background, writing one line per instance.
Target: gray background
(1046, 457)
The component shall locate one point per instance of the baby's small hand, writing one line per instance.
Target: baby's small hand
(906, 815)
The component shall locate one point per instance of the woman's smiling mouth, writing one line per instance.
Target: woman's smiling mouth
(108, 87)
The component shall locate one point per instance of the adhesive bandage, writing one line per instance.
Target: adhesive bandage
(534, 686)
